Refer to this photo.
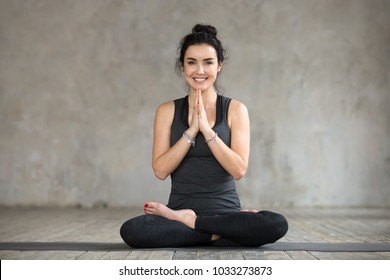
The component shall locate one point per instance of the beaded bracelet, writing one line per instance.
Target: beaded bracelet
(212, 139)
(190, 140)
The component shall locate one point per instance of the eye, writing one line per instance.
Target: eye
(191, 62)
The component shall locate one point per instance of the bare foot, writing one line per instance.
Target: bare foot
(249, 210)
(185, 216)
(215, 237)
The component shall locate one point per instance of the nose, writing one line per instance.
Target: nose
(200, 69)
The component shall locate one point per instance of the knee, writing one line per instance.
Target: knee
(130, 233)
(125, 232)
(276, 226)
(281, 225)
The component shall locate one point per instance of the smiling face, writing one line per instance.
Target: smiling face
(201, 66)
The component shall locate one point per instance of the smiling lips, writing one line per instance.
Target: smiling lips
(200, 79)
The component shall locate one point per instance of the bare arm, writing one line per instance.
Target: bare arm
(236, 158)
(233, 159)
(166, 158)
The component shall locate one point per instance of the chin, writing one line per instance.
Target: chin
(200, 87)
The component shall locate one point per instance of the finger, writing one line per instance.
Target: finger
(200, 105)
(198, 100)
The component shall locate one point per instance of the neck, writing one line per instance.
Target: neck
(208, 96)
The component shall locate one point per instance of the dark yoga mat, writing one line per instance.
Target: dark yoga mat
(278, 246)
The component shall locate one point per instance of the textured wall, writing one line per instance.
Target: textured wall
(80, 82)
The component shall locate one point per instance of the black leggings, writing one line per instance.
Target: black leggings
(236, 229)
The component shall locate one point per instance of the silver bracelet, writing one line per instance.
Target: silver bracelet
(212, 139)
(189, 139)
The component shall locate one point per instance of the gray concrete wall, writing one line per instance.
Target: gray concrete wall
(80, 82)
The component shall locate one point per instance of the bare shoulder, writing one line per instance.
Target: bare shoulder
(237, 108)
(165, 110)
(238, 112)
(166, 106)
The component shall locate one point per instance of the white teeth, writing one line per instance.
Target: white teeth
(200, 79)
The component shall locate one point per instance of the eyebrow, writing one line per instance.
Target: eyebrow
(206, 59)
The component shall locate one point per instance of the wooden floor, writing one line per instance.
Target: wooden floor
(319, 225)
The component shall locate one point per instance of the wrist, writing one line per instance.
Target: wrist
(189, 139)
(209, 134)
(191, 132)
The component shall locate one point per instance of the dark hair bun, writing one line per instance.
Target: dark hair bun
(205, 28)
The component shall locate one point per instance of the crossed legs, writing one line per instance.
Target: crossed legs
(164, 227)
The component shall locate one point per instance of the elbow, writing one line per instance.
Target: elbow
(160, 174)
(240, 169)
(239, 174)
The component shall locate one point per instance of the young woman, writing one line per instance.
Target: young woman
(202, 141)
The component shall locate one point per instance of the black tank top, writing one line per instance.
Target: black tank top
(200, 182)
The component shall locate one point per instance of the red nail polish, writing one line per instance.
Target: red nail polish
(146, 205)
